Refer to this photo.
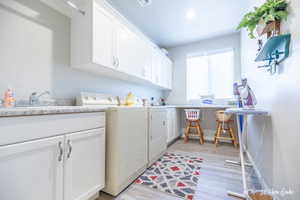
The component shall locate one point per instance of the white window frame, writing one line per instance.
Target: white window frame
(207, 53)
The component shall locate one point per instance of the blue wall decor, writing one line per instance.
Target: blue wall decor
(276, 50)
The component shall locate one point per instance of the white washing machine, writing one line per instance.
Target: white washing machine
(126, 143)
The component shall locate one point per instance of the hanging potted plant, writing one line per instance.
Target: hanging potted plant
(266, 18)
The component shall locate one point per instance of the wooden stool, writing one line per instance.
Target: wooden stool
(193, 121)
(224, 125)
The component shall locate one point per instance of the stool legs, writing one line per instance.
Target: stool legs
(187, 130)
(200, 132)
(218, 133)
(198, 128)
(228, 127)
(231, 131)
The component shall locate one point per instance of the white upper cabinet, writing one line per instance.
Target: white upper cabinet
(156, 67)
(125, 49)
(103, 42)
(103, 37)
(147, 62)
(168, 72)
(162, 69)
(143, 59)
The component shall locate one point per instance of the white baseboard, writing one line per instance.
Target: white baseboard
(94, 197)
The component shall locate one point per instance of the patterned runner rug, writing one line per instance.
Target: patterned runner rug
(173, 173)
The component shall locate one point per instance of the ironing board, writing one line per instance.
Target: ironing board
(242, 133)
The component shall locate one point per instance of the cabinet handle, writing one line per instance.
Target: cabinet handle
(118, 62)
(61, 151)
(164, 123)
(114, 61)
(70, 148)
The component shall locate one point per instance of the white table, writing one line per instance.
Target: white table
(241, 134)
(204, 106)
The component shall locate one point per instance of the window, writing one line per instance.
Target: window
(210, 74)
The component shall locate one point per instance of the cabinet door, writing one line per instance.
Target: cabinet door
(125, 49)
(169, 73)
(103, 34)
(177, 122)
(156, 67)
(166, 72)
(84, 164)
(158, 133)
(32, 170)
(147, 67)
(143, 59)
(170, 125)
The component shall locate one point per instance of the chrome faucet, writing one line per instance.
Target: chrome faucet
(34, 98)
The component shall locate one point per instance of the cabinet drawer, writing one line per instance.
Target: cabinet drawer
(20, 129)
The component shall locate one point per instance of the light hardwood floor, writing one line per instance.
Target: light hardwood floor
(216, 177)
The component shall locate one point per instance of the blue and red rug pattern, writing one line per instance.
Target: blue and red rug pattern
(175, 174)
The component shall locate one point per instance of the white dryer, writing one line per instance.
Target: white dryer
(127, 147)
(126, 143)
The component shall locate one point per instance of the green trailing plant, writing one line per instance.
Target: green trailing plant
(271, 10)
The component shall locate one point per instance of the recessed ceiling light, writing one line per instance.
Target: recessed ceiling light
(190, 14)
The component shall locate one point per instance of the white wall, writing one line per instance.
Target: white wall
(35, 55)
(179, 55)
(274, 142)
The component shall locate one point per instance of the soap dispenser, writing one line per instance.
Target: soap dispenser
(8, 100)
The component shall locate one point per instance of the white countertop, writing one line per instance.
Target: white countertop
(216, 106)
(48, 110)
(244, 111)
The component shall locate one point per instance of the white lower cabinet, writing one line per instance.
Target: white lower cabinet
(172, 124)
(84, 164)
(32, 170)
(66, 167)
(157, 133)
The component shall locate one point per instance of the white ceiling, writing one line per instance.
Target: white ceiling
(165, 21)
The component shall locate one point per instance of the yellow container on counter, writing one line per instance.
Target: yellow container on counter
(129, 101)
